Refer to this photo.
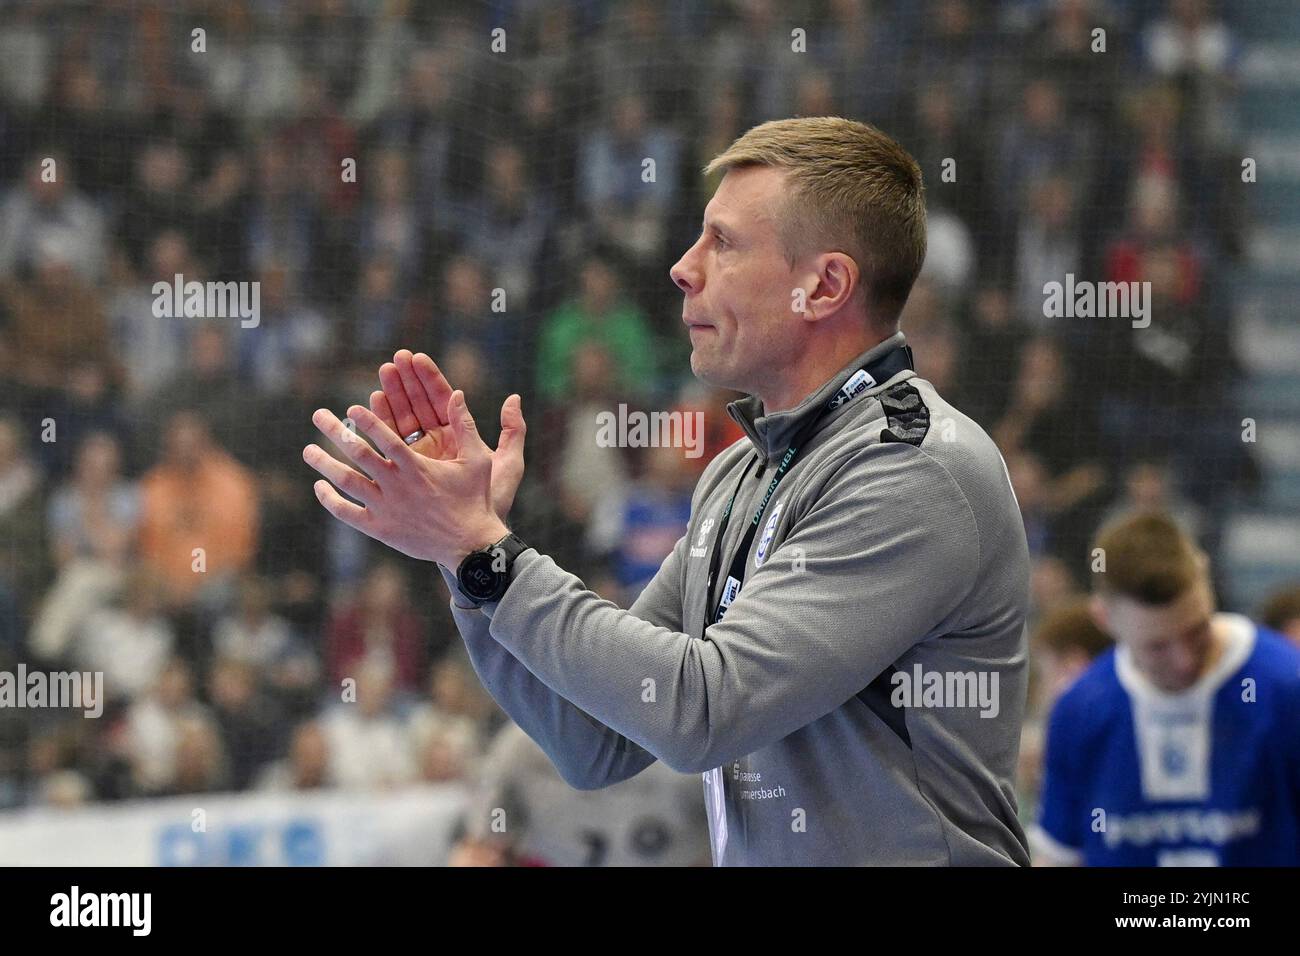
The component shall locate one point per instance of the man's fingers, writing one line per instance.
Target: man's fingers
(385, 439)
(351, 481)
(513, 428)
(434, 382)
(379, 405)
(348, 441)
(508, 459)
(352, 515)
(403, 415)
(468, 440)
(429, 414)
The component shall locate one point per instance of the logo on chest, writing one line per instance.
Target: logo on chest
(769, 530)
(698, 550)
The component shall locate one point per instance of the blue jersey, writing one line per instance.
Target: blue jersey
(1206, 777)
(653, 520)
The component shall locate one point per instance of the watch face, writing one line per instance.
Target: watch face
(478, 578)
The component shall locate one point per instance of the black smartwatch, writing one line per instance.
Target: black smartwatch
(484, 575)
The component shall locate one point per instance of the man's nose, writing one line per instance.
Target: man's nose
(685, 275)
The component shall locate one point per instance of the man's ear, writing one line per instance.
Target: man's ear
(835, 285)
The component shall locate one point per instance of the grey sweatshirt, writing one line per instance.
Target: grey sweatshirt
(861, 701)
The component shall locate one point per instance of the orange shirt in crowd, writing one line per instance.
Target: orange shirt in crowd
(213, 507)
(720, 430)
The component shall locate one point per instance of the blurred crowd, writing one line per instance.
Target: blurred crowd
(390, 180)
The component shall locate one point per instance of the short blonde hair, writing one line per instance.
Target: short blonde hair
(853, 189)
(1149, 558)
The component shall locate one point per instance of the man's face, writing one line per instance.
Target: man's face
(186, 439)
(738, 285)
(1169, 643)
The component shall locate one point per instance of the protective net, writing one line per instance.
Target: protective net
(218, 217)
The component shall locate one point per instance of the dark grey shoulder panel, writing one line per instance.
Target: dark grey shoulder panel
(907, 419)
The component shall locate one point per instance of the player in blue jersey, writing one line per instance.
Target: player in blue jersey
(1181, 746)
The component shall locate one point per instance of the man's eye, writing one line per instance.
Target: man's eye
(721, 241)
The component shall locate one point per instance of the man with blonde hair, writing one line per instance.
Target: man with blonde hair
(1179, 746)
(837, 642)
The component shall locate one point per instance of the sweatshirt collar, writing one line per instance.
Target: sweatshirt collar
(771, 434)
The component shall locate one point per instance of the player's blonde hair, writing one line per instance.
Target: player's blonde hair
(853, 190)
(1149, 558)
